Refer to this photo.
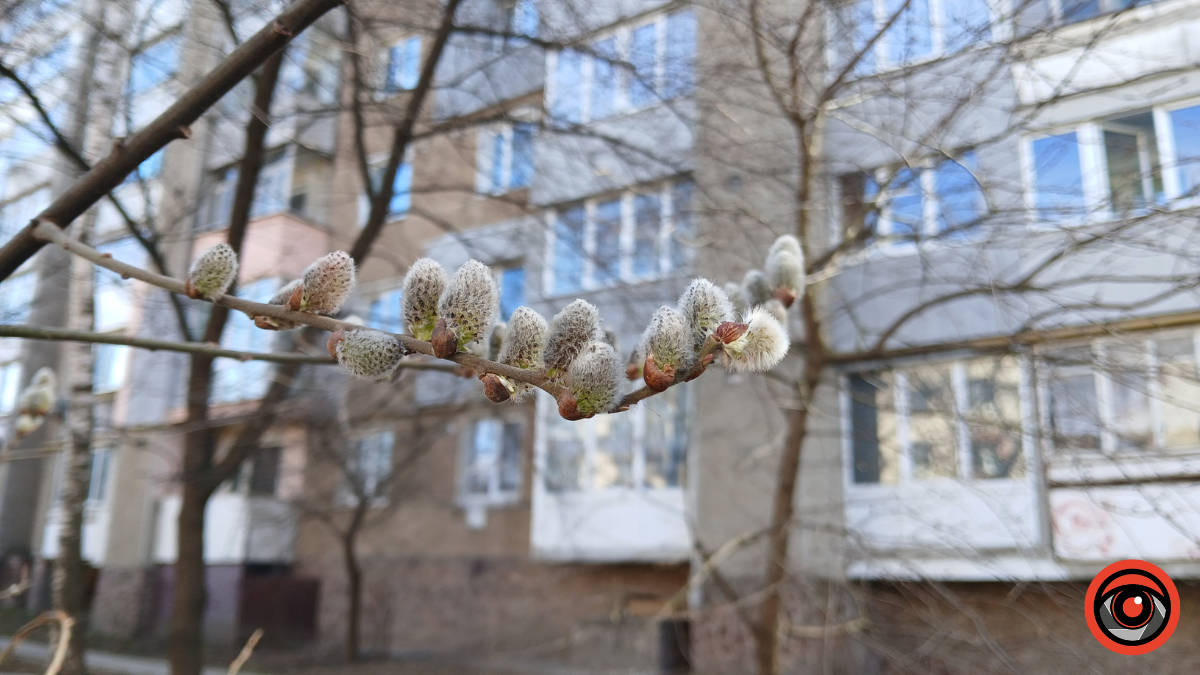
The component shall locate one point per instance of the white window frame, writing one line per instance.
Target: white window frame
(495, 495)
(376, 163)
(100, 482)
(382, 91)
(1167, 157)
(663, 240)
(378, 499)
(1148, 347)
(883, 62)
(485, 157)
(10, 385)
(547, 412)
(623, 37)
(964, 461)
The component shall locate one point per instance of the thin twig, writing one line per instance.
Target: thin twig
(63, 335)
(19, 587)
(65, 624)
(244, 655)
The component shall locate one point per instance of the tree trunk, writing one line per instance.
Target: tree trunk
(766, 633)
(200, 477)
(67, 589)
(187, 611)
(67, 580)
(353, 583)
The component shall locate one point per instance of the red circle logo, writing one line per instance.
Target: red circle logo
(1132, 607)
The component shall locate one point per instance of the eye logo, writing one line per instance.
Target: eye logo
(1132, 607)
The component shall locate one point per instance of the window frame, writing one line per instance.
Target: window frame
(666, 266)
(495, 496)
(395, 292)
(880, 58)
(378, 499)
(547, 414)
(932, 203)
(1104, 381)
(1093, 165)
(388, 88)
(485, 157)
(964, 460)
(622, 65)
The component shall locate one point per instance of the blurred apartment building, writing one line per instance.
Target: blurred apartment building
(612, 151)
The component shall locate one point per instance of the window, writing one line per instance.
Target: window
(628, 70)
(109, 366)
(1112, 167)
(933, 199)
(1184, 129)
(1133, 396)
(1063, 12)
(915, 30)
(264, 472)
(220, 202)
(504, 158)
(568, 269)
(567, 104)
(642, 449)
(370, 468)
(512, 290)
(235, 380)
(153, 65)
(401, 200)
(403, 65)
(640, 234)
(951, 420)
(491, 466)
(521, 17)
(273, 188)
(10, 386)
(101, 476)
(386, 312)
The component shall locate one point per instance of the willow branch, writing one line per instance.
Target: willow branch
(172, 124)
(48, 232)
(64, 335)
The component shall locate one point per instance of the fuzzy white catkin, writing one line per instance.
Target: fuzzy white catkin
(423, 287)
(785, 270)
(705, 307)
(328, 283)
(764, 344)
(668, 338)
(595, 379)
(737, 297)
(525, 339)
(524, 342)
(214, 271)
(471, 302)
(777, 310)
(756, 288)
(570, 332)
(371, 354)
(787, 243)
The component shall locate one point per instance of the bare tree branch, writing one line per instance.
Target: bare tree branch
(170, 125)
